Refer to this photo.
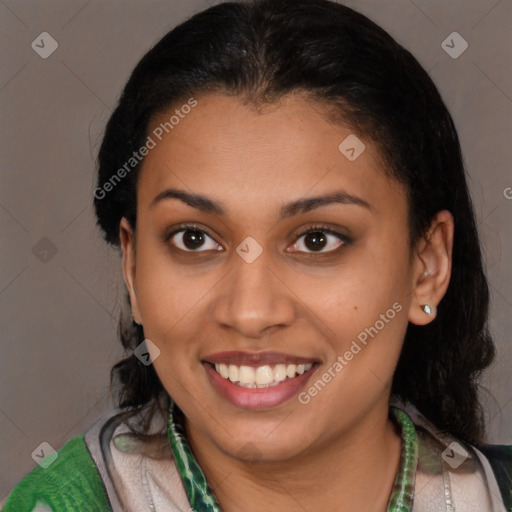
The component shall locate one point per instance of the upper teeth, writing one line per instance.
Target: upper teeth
(262, 376)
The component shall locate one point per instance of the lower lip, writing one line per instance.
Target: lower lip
(257, 398)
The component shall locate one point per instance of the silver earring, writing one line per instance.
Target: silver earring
(428, 309)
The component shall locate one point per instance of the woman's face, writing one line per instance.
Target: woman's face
(250, 291)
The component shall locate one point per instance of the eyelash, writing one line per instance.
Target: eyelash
(319, 228)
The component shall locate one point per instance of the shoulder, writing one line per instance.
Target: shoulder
(500, 454)
(66, 481)
(500, 459)
(478, 474)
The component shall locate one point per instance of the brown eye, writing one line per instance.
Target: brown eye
(317, 238)
(191, 239)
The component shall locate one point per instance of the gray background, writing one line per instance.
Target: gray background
(58, 311)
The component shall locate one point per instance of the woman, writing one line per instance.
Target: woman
(309, 307)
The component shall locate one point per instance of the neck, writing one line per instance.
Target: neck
(355, 471)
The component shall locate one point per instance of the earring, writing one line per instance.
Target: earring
(428, 309)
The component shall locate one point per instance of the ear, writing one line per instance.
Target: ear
(432, 268)
(127, 237)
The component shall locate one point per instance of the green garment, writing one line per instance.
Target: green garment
(73, 483)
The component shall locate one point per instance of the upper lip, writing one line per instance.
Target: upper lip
(239, 358)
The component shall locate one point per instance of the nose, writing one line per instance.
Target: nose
(255, 300)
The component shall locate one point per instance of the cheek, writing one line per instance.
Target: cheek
(365, 347)
(169, 302)
(370, 280)
(364, 307)
(164, 293)
(172, 309)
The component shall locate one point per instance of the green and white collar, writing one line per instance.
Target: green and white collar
(202, 498)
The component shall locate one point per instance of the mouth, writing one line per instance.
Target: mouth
(259, 380)
(261, 376)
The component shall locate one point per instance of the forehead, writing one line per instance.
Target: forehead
(224, 148)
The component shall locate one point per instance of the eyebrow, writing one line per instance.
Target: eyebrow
(299, 206)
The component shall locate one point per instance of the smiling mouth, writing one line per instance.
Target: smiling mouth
(265, 376)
